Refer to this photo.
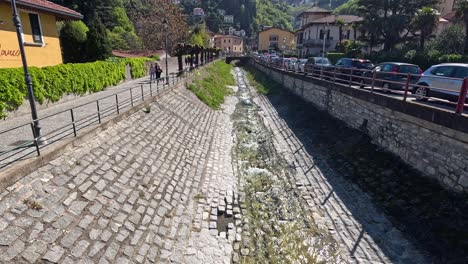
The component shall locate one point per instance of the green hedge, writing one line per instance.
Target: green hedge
(51, 83)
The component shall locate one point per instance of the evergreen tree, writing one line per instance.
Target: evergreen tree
(73, 36)
(425, 22)
(98, 46)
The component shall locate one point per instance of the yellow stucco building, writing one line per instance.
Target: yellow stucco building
(276, 39)
(229, 44)
(41, 39)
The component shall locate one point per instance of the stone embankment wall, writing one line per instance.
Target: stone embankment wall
(433, 141)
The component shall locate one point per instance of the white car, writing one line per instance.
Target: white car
(442, 81)
(299, 66)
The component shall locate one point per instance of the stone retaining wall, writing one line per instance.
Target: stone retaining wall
(431, 140)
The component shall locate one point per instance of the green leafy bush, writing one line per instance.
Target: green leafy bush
(51, 83)
(335, 56)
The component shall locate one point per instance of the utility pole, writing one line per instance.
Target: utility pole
(166, 27)
(27, 75)
(325, 29)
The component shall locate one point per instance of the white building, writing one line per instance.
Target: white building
(229, 19)
(198, 12)
(320, 27)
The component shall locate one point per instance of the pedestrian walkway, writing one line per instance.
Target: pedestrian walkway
(139, 191)
(56, 120)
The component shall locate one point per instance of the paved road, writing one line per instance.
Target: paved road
(436, 103)
(59, 117)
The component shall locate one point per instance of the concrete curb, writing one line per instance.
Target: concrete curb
(23, 168)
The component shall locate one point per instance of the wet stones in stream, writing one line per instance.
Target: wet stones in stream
(276, 225)
(432, 218)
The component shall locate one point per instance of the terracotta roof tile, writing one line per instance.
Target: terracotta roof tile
(333, 18)
(47, 6)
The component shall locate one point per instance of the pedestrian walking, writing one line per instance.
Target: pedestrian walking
(158, 72)
(152, 72)
(186, 61)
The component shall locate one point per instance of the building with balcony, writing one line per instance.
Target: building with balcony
(324, 32)
(41, 39)
(276, 39)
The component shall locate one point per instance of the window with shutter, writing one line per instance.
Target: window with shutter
(36, 28)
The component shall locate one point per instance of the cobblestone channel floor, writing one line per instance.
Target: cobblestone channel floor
(140, 192)
(175, 186)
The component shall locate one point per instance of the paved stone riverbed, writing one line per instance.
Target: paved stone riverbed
(187, 184)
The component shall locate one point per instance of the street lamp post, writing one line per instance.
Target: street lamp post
(166, 27)
(324, 39)
(284, 49)
(27, 75)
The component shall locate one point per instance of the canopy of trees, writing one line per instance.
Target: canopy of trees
(389, 22)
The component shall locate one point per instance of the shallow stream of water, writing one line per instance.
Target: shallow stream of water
(277, 228)
(436, 220)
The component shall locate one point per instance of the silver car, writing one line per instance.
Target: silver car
(442, 81)
(299, 66)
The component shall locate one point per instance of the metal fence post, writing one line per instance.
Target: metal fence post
(73, 121)
(151, 90)
(142, 95)
(131, 96)
(462, 97)
(334, 75)
(117, 103)
(157, 87)
(407, 87)
(351, 77)
(98, 111)
(35, 139)
(373, 82)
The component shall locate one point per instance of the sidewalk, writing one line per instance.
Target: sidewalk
(84, 107)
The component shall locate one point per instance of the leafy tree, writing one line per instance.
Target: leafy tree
(73, 36)
(350, 7)
(425, 21)
(389, 21)
(98, 46)
(113, 14)
(462, 14)
(449, 41)
(200, 37)
(274, 13)
(148, 22)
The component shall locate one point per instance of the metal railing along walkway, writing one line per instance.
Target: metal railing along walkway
(102, 110)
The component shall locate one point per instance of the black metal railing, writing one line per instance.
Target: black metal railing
(399, 84)
(75, 119)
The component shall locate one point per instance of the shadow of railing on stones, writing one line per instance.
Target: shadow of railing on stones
(431, 217)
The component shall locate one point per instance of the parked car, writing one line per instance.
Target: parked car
(356, 66)
(274, 60)
(391, 75)
(442, 81)
(315, 64)
(299, 66)
(290, 65)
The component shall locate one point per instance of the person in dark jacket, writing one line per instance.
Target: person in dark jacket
(158, 71)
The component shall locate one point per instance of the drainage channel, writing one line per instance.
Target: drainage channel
(276, 225)
(432, 218)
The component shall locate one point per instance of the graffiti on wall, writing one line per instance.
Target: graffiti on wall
(9, 54)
